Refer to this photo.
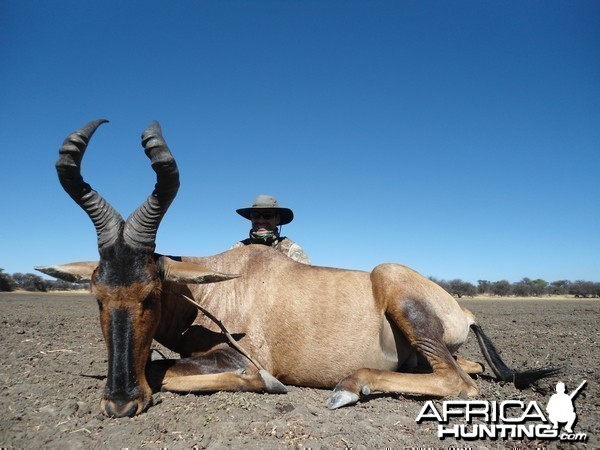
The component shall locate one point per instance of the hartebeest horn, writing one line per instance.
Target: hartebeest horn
(141, 226)
(106, 220)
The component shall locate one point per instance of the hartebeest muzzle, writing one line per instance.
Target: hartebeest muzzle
(122, 395)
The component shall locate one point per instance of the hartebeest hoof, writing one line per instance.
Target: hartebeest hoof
(273, 385)
(342, 398)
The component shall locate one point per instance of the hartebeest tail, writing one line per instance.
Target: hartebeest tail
(521, 380)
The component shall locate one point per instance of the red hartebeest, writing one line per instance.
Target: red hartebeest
(356, 331)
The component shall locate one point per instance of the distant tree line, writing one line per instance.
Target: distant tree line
(524, 288)
(458, 288)
(34, 283)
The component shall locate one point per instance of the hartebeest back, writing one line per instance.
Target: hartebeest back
(356, 331)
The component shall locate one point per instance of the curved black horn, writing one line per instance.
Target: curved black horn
(141, 226)
(106, 220)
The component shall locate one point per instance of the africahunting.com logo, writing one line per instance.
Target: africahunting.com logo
(510, 419)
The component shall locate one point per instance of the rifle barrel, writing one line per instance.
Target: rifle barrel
(574, 393)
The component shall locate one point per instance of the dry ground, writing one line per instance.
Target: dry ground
(54, 365)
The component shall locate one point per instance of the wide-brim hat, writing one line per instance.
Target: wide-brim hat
(267, 203)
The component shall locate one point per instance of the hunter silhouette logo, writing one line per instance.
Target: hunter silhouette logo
(560, 407)
(508, 419)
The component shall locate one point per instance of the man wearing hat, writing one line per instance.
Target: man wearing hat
(266, 215)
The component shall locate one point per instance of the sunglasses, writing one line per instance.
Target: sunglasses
(262, 215)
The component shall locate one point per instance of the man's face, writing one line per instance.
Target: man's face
(264, 221)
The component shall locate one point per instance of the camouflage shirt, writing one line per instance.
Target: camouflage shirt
(285, 246)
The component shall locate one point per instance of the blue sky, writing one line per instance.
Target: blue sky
(459, 138)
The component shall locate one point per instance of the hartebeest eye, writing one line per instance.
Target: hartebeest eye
(149, 301)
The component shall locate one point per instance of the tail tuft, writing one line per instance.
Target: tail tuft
(525, 379)
(521, 380)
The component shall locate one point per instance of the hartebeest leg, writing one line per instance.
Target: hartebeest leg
(261, 381)
(424, 332)
(470, 367)
(219, 370)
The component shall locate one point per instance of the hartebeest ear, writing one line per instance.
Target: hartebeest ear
(77, 272)
(189, 273)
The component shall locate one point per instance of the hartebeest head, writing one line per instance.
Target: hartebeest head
(127, 280)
